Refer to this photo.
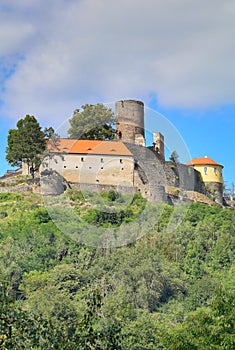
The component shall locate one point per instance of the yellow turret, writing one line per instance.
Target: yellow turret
(211, 173)
(208, 168)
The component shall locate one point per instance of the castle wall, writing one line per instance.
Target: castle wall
(215, 191)
(25, 169)
(103, 188)
(180, 175)
(159, 146)
(149, 177)
(88, 168)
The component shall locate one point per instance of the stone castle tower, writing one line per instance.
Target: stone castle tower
(149, 176)
(130, 121)
(158, 144)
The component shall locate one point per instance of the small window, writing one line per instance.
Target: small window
(102, 160)
(76, 167)
(205, 170)
(215, 171)
(89, 167)
(122, 168)
(121, 161)
(102, 167)
(82, 159)
(64, 166)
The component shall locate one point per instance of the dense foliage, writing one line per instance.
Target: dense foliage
(26, 144)
(94, 122)
(168, 290)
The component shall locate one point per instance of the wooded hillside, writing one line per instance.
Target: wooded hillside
(168, 290)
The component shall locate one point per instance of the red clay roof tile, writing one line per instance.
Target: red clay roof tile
(89, 147)
(203, 161)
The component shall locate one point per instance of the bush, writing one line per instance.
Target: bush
(3, 214)
(42, 216)
(75, 195)
(7, 196)
(112, 195)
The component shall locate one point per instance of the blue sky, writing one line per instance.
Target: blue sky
(176, 56)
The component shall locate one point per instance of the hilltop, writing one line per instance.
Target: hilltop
(102, 158)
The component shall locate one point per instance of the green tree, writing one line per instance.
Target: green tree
(49, 132)
(206, 328)
(26, 144)
(93, 123)
(95, 335)
(174, 157)
(22, 330)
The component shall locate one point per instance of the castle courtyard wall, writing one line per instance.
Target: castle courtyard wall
(93, 169)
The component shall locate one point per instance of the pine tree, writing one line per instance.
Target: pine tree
(26, 144)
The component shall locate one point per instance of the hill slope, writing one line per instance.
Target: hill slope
(168, 290)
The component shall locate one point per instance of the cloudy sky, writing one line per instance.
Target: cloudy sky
(175, 55)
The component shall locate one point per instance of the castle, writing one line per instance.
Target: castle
(127, 165)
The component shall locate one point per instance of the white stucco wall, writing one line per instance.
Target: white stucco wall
(88, 168)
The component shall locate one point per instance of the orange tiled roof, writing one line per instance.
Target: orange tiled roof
(100, 147)
(89, 147)
(62, 145)
(203, 161)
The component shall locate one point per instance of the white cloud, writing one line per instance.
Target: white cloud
(100, 50)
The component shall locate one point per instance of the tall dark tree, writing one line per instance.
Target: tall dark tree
(94, 122)
(174, 157)
(49, 132)
(26, 144)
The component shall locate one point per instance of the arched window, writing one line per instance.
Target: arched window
(205, 170)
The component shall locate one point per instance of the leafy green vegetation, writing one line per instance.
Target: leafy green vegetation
(26, 144)
(94, 122)
(171, 289)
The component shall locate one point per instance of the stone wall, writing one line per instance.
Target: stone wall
(149, 177)
(103, 188)
(23, 187)
(183, 176)
(215, 191)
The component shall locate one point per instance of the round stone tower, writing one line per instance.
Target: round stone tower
(130, 121)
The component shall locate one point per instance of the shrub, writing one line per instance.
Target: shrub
(3, 214)
(42, 216)
(75, 195)
(112, 195)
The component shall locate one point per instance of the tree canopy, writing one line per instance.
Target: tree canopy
(171, 289)
(174, 157)
(94, 122)
(26, 144)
